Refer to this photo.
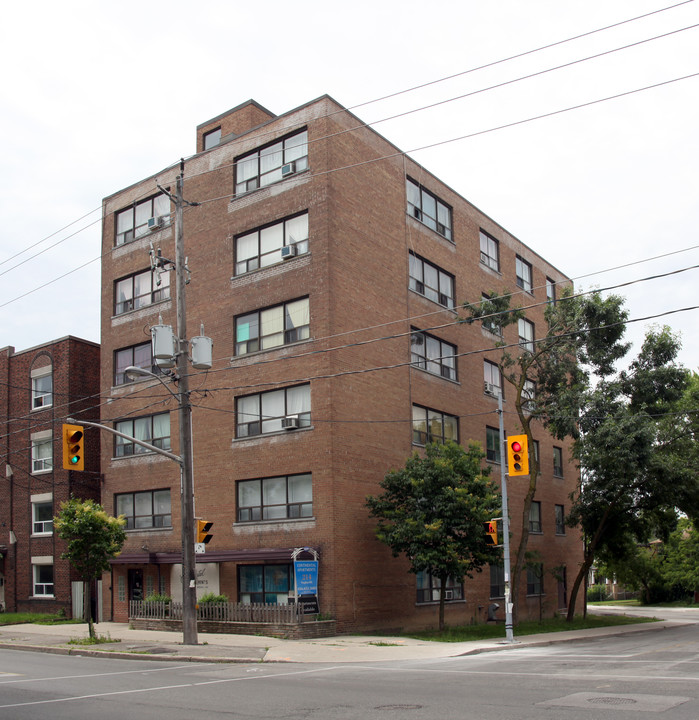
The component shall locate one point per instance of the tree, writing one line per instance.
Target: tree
(549, 374)
(433, 511)
(634, 448)
(93, 537)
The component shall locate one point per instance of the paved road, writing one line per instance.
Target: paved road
(650, 673)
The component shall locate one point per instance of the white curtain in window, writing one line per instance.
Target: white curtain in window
(298, 399)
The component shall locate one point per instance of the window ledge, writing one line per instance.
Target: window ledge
(435, 375)
(432, 230)
(490, 269)
(129, 313)
(235, 358)
(41, 535)
(289, 262)
(460, 601)
(434, 302)
(276, 433)
(273, 521)
(167, 528)
(39, 409)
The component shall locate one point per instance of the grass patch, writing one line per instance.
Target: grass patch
(36, 618)
(97, 640)
(380, 643)
(465, 633)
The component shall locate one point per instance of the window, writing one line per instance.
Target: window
(526, 334)
(133, 222)
(535, 517)
(428, 588)
(42, 388)
(490, 324)
(269, 584)
(280, 325)
(148, 509)
(212, 138)
(535, 579)
(431, 281)
(43, 577)
(560, 516)
(558, 462)
(263, 413)
(42, 516)
(262, 247)
(271, 163)
(139, 291)
(492, 378)
(276, 498)
(432, 354)
(489, 251)
(536, 455)
(550, 290)
(492, 444)
(523, 271)
(137, 355)
(42, 452)
(432, 426)
(155, 430)
(497, 581)
(428, 208)
(529, 396)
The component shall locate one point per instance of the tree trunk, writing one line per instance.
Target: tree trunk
(87, 607)
(442, 597)
(582, 574)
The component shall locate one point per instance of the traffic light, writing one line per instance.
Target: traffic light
(517, 455)
(491, 532)
(73, 447)
(203, 527)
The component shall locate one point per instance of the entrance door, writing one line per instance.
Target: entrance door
(136, 584)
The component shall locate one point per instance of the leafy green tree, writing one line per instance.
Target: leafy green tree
(635, 454)
(93, 538)
(583, 338)
(680, 559)
(433, 511)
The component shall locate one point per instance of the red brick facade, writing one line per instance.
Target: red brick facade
(356, 359)
(39, 388)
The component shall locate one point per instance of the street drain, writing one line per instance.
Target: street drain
(611, 701)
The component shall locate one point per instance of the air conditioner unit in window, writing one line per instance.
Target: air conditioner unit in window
(155, 223)
(288, 169)
(448, 594)
(490, 389)
(288, 251)
(290, 423)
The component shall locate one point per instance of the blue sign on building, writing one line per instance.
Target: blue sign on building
(306, 572)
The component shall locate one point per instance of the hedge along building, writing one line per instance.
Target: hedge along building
(327, 267)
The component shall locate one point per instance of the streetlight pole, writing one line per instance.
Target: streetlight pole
(509, 637)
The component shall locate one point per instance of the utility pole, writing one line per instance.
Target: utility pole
(189, 581)
(509, 637)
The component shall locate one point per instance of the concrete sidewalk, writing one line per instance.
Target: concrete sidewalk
(163, 645)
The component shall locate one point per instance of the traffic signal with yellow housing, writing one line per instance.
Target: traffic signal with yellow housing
(203, 527)
(517, 455)
(491, 532)
(73, 447)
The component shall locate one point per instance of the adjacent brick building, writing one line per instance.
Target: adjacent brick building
(39, 388)
(328, 267)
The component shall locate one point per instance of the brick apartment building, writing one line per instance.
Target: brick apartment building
(327, 267)
(39, 388)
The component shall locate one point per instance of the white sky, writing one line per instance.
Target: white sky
(97, 95)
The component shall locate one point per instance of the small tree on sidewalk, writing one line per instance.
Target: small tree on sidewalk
(433, 511)
(93, 538)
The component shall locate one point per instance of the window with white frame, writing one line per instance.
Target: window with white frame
(275, 498)
(42, 572)
(558, 461)
(535, 579)
(523, 272)
(140, 290)
(550, 290)
(153, 429)
(273, 411)
(433, 426)
(428, 208)
(431, 281)
(490, 255)
(560, 517)
(142, 217)
(432, 354)
(428, 588)
(137, 355)
(147, 509)
(42, 388)
(263, 246)
(492, 444)
(529, 396)
(535, 517)
(42, 514)
(42, 452)
(492, 379)
(283, 324)
(271, 163)
(526, 334)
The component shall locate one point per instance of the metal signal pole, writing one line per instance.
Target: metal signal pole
(509, 637)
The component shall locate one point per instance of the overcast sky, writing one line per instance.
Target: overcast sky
(96, 96)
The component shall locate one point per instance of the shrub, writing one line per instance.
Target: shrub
(155, 597)
(597, 593)
(212, 598)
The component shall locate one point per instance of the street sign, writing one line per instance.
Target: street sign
(199, 548)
